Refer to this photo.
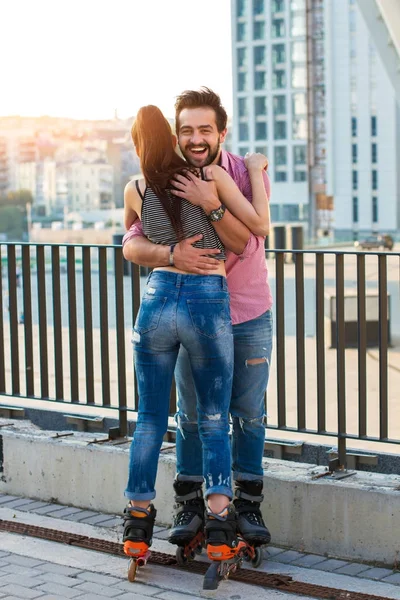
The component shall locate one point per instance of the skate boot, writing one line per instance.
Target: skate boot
(189, 521)
(247, 504)
(138, 530)
(221, 534)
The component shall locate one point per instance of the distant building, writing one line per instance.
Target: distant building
(331, 131)
(90, 186)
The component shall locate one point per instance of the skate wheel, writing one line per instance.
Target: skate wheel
(257, 560)
(199, 549)
(181, 559)
(132, 570)
(212, 577)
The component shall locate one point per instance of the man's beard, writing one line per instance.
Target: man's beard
(212, 154)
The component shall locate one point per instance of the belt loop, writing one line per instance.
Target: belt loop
(224, 283)
(178, 280)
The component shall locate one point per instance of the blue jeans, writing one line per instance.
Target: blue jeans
(190, 311)
(252, 340)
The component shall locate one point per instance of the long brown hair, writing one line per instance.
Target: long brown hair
(152, 136)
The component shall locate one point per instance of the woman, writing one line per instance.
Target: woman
(178, 308)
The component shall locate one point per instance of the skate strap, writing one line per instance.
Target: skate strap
(244, 496)
(138, 511)
(189, 496)
(221, 516)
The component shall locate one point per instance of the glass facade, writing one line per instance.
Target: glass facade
(355, 209)
(261, 130)
(260, 106)
(258, 30)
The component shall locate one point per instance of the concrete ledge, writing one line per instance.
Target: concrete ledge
(355, 518)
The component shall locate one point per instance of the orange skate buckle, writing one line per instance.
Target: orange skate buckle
(135, 549)
(222, 552)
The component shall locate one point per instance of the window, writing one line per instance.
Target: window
(355, 210)
(258, 7)
(242, 107)
(279, 104)
(242, 57)
(300, 176)
(259, 80)
(374, 126)
(374, 180)
(261, 130)
(300, 155)
(243, 150)
(280, 130)
(278, 5)
(299, 104)
(299, 53)
(374, 153)
(355, 180)
(242, 81)
(262, 150)
(258, 30)
(241, 32)
(278, 79)
(259, 55)
(299, 127)
(298, 24)
(299, 77)
(278, 28)
(278, 54)
(354, 153)
(290, 212)
(374, 209)
(243, 132)
(280, 156)
(260, 106)
(280, 176)
(354, 126)
(241, 8)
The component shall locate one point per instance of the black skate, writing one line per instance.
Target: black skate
(250, 522)
(138, 536)
(224, 548)
(187, 531)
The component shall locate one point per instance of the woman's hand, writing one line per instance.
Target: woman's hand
(255, 161)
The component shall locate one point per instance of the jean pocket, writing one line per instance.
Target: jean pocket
(209, 317)
(150, 312)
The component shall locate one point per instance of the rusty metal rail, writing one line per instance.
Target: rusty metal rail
(282, 582)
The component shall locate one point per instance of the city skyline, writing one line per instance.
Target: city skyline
(85, 60)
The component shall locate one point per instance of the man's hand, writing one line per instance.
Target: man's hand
(255, 161)
(195, 260)
(197, 191)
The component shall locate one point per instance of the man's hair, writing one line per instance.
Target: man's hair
(203, 98)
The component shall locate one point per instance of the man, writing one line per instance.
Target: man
(201, 129)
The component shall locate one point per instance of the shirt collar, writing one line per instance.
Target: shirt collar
(224, 160)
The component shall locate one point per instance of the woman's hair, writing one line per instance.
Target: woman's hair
(152, 136)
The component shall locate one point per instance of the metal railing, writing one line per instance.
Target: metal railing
(66, 313)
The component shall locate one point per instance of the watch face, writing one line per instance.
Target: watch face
(217, 214)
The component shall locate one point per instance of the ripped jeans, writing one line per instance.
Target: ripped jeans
(190, 311)
(252, 357)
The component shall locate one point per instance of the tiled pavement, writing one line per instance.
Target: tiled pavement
(23, 577)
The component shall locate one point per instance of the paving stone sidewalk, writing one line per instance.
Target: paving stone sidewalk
(46, 580)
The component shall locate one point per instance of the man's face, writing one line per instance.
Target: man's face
(198, 136)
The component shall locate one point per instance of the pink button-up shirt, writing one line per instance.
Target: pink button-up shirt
(247, 273)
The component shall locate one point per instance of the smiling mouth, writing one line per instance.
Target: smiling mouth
(198, 150)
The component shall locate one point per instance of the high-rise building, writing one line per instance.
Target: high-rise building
(311, 92)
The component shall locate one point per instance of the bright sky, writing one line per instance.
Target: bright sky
(86, 58)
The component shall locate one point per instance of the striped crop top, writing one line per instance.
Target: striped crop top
(158, 228)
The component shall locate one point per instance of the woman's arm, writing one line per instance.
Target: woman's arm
(132, 204)
(255, 215)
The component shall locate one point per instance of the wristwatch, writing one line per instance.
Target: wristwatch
(217, 213)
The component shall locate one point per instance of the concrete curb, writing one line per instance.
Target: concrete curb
(357, 518)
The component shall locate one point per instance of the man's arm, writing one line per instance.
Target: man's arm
(232, 232)
(138, 249)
